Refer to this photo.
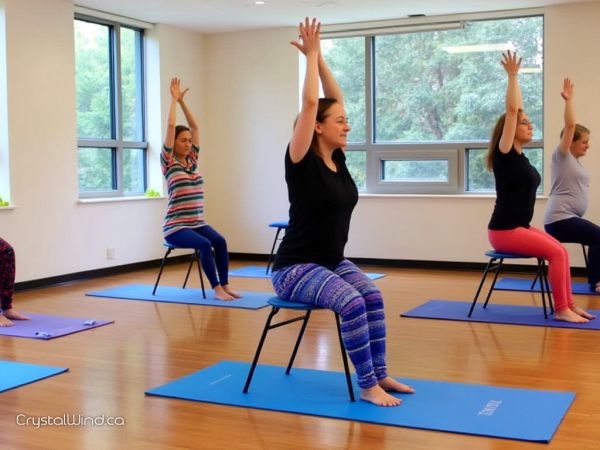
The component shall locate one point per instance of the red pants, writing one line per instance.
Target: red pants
(535, 242)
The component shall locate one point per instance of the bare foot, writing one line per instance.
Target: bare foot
(582, 312)
(231, 292)
(567, 315)
(390, 385)
(14, 315)
(222, 294)
(379, 397)
(5, 322)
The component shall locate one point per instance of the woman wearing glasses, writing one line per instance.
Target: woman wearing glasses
(568, 199)
(517, 181)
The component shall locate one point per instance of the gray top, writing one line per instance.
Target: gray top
(570, 184)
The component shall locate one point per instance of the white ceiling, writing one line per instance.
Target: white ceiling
(210, 16)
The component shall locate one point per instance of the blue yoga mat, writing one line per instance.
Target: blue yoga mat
(495, 313)
(15, 374)
(531, 415)
(259, 272)
(520, 284)
(48, 327)
(169, 294)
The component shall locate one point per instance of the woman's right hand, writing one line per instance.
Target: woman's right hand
(567, 90)
(309, 36)
(176, 91)
(510, 62)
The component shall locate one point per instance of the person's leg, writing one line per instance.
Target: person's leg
(7, 274)
(534, 242)
(584, 232)
(221, 256)
(316, 285)
(7, 285)
(190, 238)
(375, 321)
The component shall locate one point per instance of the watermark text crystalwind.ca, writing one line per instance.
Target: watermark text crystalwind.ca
(69, 420)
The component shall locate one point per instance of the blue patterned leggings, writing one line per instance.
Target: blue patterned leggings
(7, 274)
(351, 294)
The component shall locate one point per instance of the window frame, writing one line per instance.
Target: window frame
(117, 144)
(454, 151)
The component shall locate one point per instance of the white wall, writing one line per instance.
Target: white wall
(244, 89)
(51, 231)
(248, 137)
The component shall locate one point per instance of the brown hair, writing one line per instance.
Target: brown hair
(324, 104)
(579, 130)
(495, 139)
(180, 129)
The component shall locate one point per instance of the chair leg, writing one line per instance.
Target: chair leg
(187, 275)
(547, 284)
(485, 272)
(162, 266)
(270, 260)
(297, 344)
(542, 285)
(199, 264)
(259, 348)
(538, 275)
(498, 267)
(585, 257)
(344, 359)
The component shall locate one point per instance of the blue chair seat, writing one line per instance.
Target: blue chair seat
(495, 263)
(283, 224)
(277, 304)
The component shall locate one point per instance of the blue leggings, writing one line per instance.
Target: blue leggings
(584, 232)
(351, 294)
(205, 239)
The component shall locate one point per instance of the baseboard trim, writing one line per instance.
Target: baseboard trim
(396, 263)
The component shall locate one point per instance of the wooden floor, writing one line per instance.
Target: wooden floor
(152, 343)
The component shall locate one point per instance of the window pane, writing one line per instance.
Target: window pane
(346, 58)
(357, 166)
(134, 170)
(96, 169)
(480, 179)
(92, 72)
(431, 170)
(449, 85)
(131, 85)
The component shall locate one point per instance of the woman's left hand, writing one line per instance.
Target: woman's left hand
(176, 91)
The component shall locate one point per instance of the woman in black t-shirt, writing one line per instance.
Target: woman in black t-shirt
(310, 266)
(517, 181)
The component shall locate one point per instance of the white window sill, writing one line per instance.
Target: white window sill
(453, 196)
(117, 199)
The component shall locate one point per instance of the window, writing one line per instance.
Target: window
(422, 104)
(110, 108)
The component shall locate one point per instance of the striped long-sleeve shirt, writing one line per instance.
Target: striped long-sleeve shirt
(186, 191)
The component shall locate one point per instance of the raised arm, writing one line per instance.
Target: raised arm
(570, 122)
(331, 88)
(172, 117)
(191, 120)
(513, 100)
(308, 44)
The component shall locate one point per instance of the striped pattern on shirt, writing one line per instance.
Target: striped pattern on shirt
(186, 191)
